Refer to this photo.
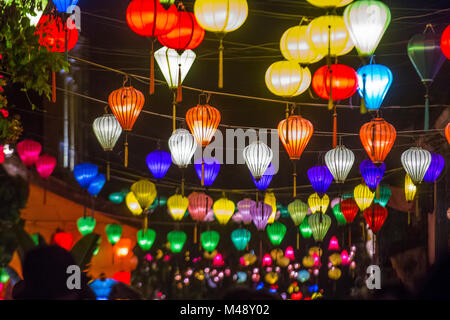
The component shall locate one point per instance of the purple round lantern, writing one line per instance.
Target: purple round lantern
(158, 162)
(435, 168)
(320, 178)
(211, 170)
(244, 207)
(372, 173)
(260, 213)
(263, 183)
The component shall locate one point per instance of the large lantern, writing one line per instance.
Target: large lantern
(276, 232)
(410, 189)
(372, 173)
(158, 162)
(86, 225)
(84, 174)
(416, 162)
(340, 161)
(367, 21)
(318, 204)
(329, 3)
(319, 225)
(113, 232)
(223, 210)
(374, 81)
(257, 156)
(187, 33)
(177, 206)
(445, 42)
(375, 217)
(145, 193)
(210, 240)
(264, 181)
(363, 196)
(295, 46)
(287, 79)
(29, 151)
(182, 146)
(297, 210)
(435, 168)
(349, 209)
(383, 196)
(328, 35)
(199, 205)
(377, 137)
(208, 169)
(145, 239)
(203, 121)
(240, 238)
(176, 239)
(320, 178)
(260, 213)
(305, 229)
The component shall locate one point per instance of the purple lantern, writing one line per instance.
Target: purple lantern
(244, 207)
(211, 170)
(435, 168)
(260, 214)
(158, 162)
(371, 173)
(320, 178)
(266, 178)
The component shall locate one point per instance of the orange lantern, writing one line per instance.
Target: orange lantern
(447, 132)
(122, 247)
(126, 104)
(377, 137)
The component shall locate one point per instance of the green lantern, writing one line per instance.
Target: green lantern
(283, 210)
(177, 240)
(210, 240)
(276, 232)
(4, 276)
(298, 209)
(145, 240)
(339, 215)
(86, 225)
(114, 232)
(384, 196)
(240, 238)
(305, 229)
(35, 238)
(319, 225)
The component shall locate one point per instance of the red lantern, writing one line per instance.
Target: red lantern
(375, 216)
(377, 137)
(445, 42)
(447, 132)
(199, 205)
(63, 239)
(29, 151)
(342, 81)
(45, 166)
(203, 121)
(123, 276)
(349, 209)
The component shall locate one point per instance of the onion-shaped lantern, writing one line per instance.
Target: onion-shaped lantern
(182, 146)
(276, 232)
(295, 46)
(372, 173)
(340, 161)
(29, 151)
(445, 42)
(363, 196)
(176, 239)
(145, 239)
(305, 229)
(96, 185)
(113, 232)
(367, 21)
(240, 238)
(435, 168)
(210, 240)
(86, 225)
(260, 213)
(199, 205)
(158, 162)
(45, 165)
(375, 216)
(374, 81)
(257, 156)
(320, 178)
(223, 210)
(329, 3)
(328, 35)
(349, 209)
(244, 207)
(377, 137)
(145, 193)
(177, 206)
(416, 162)
(208, 169)
(318, 204)
(264, 182)
(298, 210)
(84, 173)
(319, 225)
(410, 189)
(203, 121)
(383, 196)
(287, 79)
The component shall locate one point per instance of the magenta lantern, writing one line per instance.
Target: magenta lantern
(29, 151)
(45, 166)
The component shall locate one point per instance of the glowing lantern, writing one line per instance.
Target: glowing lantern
(63, 239)
(29, 151)
(320, 178)
(305, 229)
(377, 137)
(375, 216)
(329, 3)
(296, 136)
(363, 196)
(334, 273)
(318, 204)
(374, 81)
(257, 156)
(240, 238)
(276, 232)
(303, 276)
(158, 162)
(334, 244)
(4, 276)
(96, 185)
(63, 5)
(267, 260)
(182, 146)
(145, 239)
(176, 239)
(210, 168)
(270, 199)
(367, 21)
(287, 79)
(297, 210)
(86, 225)
(45, 165)
(55, 35)
(447, 132)
(416, 162)
(445, 42)
(349, 209)
(122, 247)
(328, 35)
(84, 173)
(187, 33)
(210, 240)
(218, 260)
(145, 193)
(384, 195)
(339, 161)
(295, 46)
(244, 207)
(345, 259)
(221, 17)
(410, 189)
(223, 210)
(199, 205)
(339, 215)
(264, 182)
(435, 168)
(107, 130)
(132, 204)
(260, 213)
(319, 223)
(372, 173)
(177, 206)
(113, 232)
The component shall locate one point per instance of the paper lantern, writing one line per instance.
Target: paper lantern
(244, 207)
(318, 204)
(374, 81)
(211, 167)
(4, 276)
(63, 5)
(199, 205)
(63, 239)
(342, 81)
(176, 239)
(122, 248)
(84, 173)
(319, 225)
(240, 238)
(375, 216)
(410, 189)
(435, 168)
(287, 79)
(303, 276)
(377, 137)
(345, 259)
(146, 238)
(145, 193)
(320, 178)
(86, 225)
(133, 204)
(177, 206)
(340, 218)
(182, 146)
(264, 182)
(305, 229)
(329, 3)
(126, 104)
(383, 197)
(349, 209)
(372, 173)
(45, 165)
(223, 210)
(107, 130)
(96, 184)
(173, 65)
(187, 33)
(113, 232)
(328, 35)
(367, 21)
(295, 46)
(260, 213)
(416, 162)
(276, 232)
(445, 42)
(158, 162)
(334, 273)
(52, 33)
(334, 245)
(29, 151)
(339, 162)
(210, 240)
(257, 156)
(296, 136)
(297, 210)
(203, 121)
(117, 197)
(150, 19)
(363, 196)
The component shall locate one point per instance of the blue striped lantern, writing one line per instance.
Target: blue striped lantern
(158, 162)
(211, 170)
(374, 81)
(85, 173)
(96, 185)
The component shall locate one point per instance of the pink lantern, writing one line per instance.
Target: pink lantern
(345, 259)
(45, 165)
(316, 258)
(218, 260)
(289, 253)
(267, 260)
(242, 261)
(334, 245)
(2, 154)
(29, 151)
(199, 205)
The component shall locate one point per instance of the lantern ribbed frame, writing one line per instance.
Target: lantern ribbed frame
(257, 156)
(295, 46)
(374, 81)
(372, 173)
(410, 189)
(182, 146)
(186, 35)
(107, 130)
(276, 232)
(209, 239)
(176, 239)
(435, 169)
(199, 205)
(240, 238)
(145, 239)
(319, 226)
(223, 210)
(171, 63)
(265, 180)
(344, 82)
(416, 162)
(177, 206)
(318, 204)
(375, 216)
(320, 178)
(260, 214)
(29, 151)
(377, 137)
(203, 121)
(145, 193)
(158, 162)
(297, 210)
(52, 33)
(221, 16)
(319, 30)
(363, 196)
(299, 132)
(349, 209)
(244, 207)
(84, 173)
(287, 79)
(340, 161)
(126, 104)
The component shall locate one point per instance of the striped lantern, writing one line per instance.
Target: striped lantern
(416, 162)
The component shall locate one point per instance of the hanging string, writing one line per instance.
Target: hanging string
(179, 88)
(108, 168)
(174, 112)
(145, 221)
(152, 68)
(363, 109)
(221, 49)
(334, 127)
(195, 233)
(298, 239)
(294, 175)
(427, 107)
(203, 170)
(125, 163)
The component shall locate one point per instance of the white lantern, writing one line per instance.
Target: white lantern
(182, 146)
(171, 63)
(257, 156)
(221, 16)
(107, 130)
(340, 161)
(416, 162)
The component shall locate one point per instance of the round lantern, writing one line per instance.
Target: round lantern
(210, 240)
(334, 273)
(287, 79)
(297, 210)
(177, 206)
(29, 151)
(187, 33)
(176, 239)
(410, 189)
(363, 196)
(146, 238)
(416, 162)
(113, 232)
(328, 35)
(45, 165)
(372, 173)
(145, 193)
(435, 168)
(276, 232)
(320, 178)
(349, 209)
(63, 5)
(374, 81)
(203, 121)
(375, 216)
(260, 213)
(84, 173)
(158, 162)
(182, 146)
(244, 207)
(223, 210)
(318, 204)
(240, 238)
(199, 205)
(295, 46)
(319, 225)
(377, 137)
(52, 32)
(96, 185)
(367, 21)
(305, 229)
(384, 195)
(63, 239)
(329, 3)
(445, 42)
(257, 156)
(340, 161)
(86, 225)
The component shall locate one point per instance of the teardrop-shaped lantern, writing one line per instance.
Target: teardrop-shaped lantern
(223, 210)
(374, 81)
(158, 162)
(86, 225)
(435, 168)
(240, 238)
(29, 151)
(146, 238)
(320, 178)
(377, 137)
(375, 217)
(176, 239)
(177, 206)
(296, 136)
(295, 46)
(182, 146)
(97, 184)
(45, 165)
(84, 173)
(349, 209)
(211, 168)
(340, 161)
(416, 162)
(363, 196)
(257, 156)
(244, 207)
(383, 196)
(372, 173)
(126, 103)
(107, 129)
(297, 210)
(340, 218)
(410, 189)
(199, 205)
(276, 232)
(260, 212)
(287, 79)
(305, 229)
(318, 204)
(328, 35)
(203, 121)
(113, 232)
(264, 182)
(210, 240)
(319, 226)
(145, 193)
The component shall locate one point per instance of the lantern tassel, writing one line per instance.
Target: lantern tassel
(174, 115)
(180, 88)
(125, 163)
(294, 175)
(203, 172)
(182, 184)
(152, 69)
(363, 109)
(53, 87)
(195, 233)
(108, 171)
(335, 128)
(221, 48)
(298, 239)
(145, 222)
(427, 110)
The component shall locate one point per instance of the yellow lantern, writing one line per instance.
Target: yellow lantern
(318, 204)
(283, 262)
(410, 189)
(308, 261)
(335, 259)
(276, 254)
(249, 259)
(270, 199)
(133, 204)
(334, 273)
(296, 46)
(271, 278)
(328, 35)
(223, 210)
(363, 196)
(144, 192)
(287, 79)
(315, 250)
(348, 47)
(177, 206)
(329, 3)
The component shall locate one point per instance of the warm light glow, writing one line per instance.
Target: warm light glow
(287, 79)
(318, 204)
(126, 103)
(319, 31)
(410, 189)
(329, 3)
(223, 210)
(296, 136)
(221, 16)
(107, 130)
(363, 196)
(203, 121)
(144, 192)
(295, 46)
(177, 206)
(340, 161)
(171, 63)
(133, 204)
(377, 137)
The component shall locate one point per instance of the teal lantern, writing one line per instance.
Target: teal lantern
(113, 232)
(276, 232)
(240, 238)
(319, 225)
(305, 229)
(339, 215)
(176, 239)
(85, 225)
(283, 210)
(384, 195)
(210, 240)
(145, 239)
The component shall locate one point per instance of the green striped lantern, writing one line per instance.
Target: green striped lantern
(113, 232)
(339, 215)
(176, 239)
(384, 195)
(86, 225)
(145, 240)
(298, 210)
(276, 232)
(305, 229)
(210, 240)
(319, 225)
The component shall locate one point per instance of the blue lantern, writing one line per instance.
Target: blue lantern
(303, 276)
(266, 178)
(320, 178)
(435, 168)
(84, 173)
(102, 288)
(158, 162)
(371, 173)
(374, 81)
(96, 185)
(63, 5)
(211, 170)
